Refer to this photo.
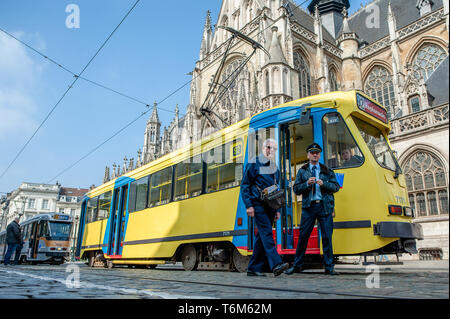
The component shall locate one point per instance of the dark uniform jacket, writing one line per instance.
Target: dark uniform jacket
(330, 186)
(253, 179)
(13, 235)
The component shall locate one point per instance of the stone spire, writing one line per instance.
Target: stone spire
(154, 118)
(207, 37)
(152, 136)
(275, 51)
(106, 177)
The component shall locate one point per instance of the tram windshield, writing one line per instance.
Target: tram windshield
(377, 144)
(58, 230)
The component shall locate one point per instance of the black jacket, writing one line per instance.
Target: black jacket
(330, 186)
(13, 234)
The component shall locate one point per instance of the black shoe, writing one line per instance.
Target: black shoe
(331, 272)
(279, 269)
(293, 269)
(255, 273)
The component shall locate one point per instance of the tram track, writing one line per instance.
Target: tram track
(239, 286)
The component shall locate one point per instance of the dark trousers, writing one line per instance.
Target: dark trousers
(309, 216)
(9, 252)
(17, 255)
(264, 247)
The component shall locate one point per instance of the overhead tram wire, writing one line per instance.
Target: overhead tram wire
(68, 89)
(136, 119)
(116, 133)
(76, 75)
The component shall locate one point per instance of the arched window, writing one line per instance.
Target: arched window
(334, 86)
(414, 103)
(380, 87)
(427, 185)
(427, 60)
(304, 75)
(285, 81)
(267, 83)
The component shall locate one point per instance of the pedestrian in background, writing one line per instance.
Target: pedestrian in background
(316, 183)
(262, 173)
(13, 238)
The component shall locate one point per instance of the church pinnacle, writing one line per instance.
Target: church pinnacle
(330, 12)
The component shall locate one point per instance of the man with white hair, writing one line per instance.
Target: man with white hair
(260, 173)
(13, 238)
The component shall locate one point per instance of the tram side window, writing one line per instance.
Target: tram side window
(138, 194)
(160, 187)
(104, 203)
(188, 178)
(224, 166)
(92, 210)
(340, 149)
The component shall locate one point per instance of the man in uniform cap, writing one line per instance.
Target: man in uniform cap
(316, 183)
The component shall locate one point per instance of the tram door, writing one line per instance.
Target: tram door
(294, 139)
(34, 241)
(117, 225)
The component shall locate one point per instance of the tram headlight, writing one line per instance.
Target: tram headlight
(407, 211)
(395, 210)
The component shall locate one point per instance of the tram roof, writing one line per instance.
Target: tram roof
(47, 216)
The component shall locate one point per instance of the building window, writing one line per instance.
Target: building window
(380, 87)
(427, 186)
(334, 86)
(72, 212)
(31, 203)
(61, 210)
(45, 204)
(304, 75)
(414, 103)
(427, 59)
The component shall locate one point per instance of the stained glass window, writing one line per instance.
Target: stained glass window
(427, 60)
(380, 87)
(304, 76)
(334, 86)
(426, 181)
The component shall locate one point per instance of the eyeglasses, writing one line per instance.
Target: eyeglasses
(271, 148)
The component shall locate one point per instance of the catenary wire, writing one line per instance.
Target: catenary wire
(68, 89)
(76, 75)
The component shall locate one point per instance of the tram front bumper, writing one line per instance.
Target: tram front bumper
(398, 229)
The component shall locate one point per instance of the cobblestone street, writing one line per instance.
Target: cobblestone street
(414, 279)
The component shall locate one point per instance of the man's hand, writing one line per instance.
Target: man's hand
(311, 180)
(320, 182)
(277, 216)
(251, 212)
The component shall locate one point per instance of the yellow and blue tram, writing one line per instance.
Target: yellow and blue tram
(45, 239)
(186, 205)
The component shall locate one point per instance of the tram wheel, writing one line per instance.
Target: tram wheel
(189, 258)
(240, 262)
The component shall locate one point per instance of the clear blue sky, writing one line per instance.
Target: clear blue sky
(147, 58)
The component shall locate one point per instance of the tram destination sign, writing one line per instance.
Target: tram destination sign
(366, 105)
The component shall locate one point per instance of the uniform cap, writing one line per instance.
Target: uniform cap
(314, 147)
